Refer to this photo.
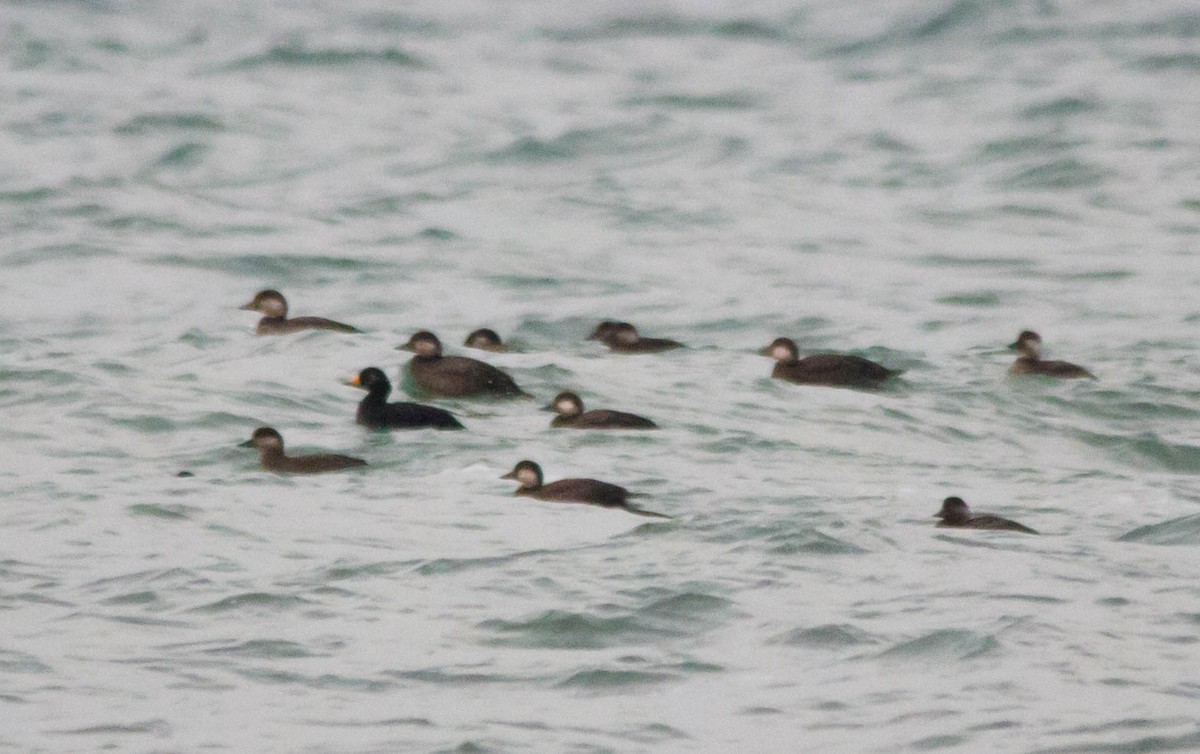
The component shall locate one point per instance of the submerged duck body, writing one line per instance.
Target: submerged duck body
(375, 412)
(623, 337)
(571, 415)
(455, 376)
(1029, 347)
(486, 339)
(270, 454)
(587, 491)
(830, 369)
(273, 306)
(955, 513)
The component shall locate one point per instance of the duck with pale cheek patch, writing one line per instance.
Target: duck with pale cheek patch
(571, 415)
(1029, 361)
(271, 456)
(829, 369)
(486, 339)
(622, 337)
(455, 376)
(274, 309)
(955, 513)
(589, 491)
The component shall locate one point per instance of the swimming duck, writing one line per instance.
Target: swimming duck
(569, 408)
(485, 339)
(455, 376)
(270, 454)
(375, 412)
(1029, 345)
(832, 369)
(589, 491)
(957, 514)
(274, 309)
(623, 337)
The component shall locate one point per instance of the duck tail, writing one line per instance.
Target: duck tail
(648, 514)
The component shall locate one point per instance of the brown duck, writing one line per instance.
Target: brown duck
(455, 376)
(589, 491)
(1029, 345)
(622, 337)
(271, 456)
(832, 369)
(957, 514)
(571, 415)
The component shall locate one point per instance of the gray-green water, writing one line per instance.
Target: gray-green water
(909, 181)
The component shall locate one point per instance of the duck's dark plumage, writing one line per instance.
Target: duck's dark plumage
(455, 376)
(587, 491)
(375, 412)
(270, 454)
(956, 513)
(1029, 345)
(831, 369)
(571, 415)
(623, 337)
(485, 339)
(274, 308)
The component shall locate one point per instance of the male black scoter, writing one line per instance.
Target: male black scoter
(831, 369)
(623, 337)
(375, 412)
(955, 513)
(485, 339)
(589, 491)
(271, 456)
(455, 376)
(274, 309)
(1029, 345)
(569, 408)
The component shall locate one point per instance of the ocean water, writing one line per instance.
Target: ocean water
(911, 181)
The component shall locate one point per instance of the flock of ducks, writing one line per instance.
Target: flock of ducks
(438, 375)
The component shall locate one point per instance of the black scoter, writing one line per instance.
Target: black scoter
(831, 369)
(455, 376)
(486, 339)
(590, 491)
(270, 453)
(1029, 345)
(957, 514)
(569, 408)
(274, 309)
(622, 337)
(375, 412)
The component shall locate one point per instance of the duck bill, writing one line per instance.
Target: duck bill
(250, 307)
(765, 351)
(247, 444)
(510, 475)
(405, 347)
(353, 382)
(547, 407)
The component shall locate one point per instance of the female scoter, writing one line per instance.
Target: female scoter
(271, 456)
(375, 412)
(485, 339)
(1029, 345)
(955, 513)
(569, 408)
(455, 376)
(275, 320)
(589, 491)
(832, 369)
(623, 337)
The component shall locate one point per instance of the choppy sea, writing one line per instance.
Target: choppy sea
(915, 182)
